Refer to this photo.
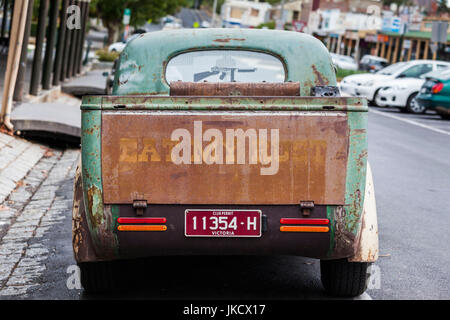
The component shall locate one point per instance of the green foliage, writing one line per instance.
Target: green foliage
(272, 2)
(106, 56)
(442, 6)
(209, 3)
(341, 73)
(111, 11)
(269, 25)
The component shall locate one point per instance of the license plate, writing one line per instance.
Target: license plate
(222, 223)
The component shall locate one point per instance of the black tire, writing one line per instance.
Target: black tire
(374, 101)
(342, 278)
(98, 277)
(445, 116)
(412, 106)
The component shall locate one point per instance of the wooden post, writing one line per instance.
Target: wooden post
(383, 47)
(12, 20)
(19, 89)
(402, 50)
(338, 49)
(349, 46)
(73, 45)
(83, 35)
(61, 42)
(410, 49)
(435, 52)
(425, 52)
(12, 65)
(5, 14)
(67, 41)
(37, 60)
(419, 43)
(51, 37)
(377, 47)
(357, 51)
(388, 55)
(397, 43)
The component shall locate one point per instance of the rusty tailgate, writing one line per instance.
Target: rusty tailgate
(138, 156)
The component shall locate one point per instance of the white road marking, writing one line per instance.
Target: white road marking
(410, 121)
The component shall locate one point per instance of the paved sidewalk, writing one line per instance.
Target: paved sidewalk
(36, 193)
(17, 157)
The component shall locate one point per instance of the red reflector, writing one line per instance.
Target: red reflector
(437, 87)
(131, 227)
(141, 220)
(303, 229)
(303, 221)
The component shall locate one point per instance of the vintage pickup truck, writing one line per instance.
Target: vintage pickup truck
(225, 142)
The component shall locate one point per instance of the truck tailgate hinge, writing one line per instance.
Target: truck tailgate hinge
(139, 204)
(306, 207)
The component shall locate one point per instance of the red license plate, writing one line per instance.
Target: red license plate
(222, 223)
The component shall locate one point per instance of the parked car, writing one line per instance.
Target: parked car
(369, 84)
(110, 77)
(119, 46)
(344, 62)
(171, 22)
(435, 93)
(205, 24)
(372, 63)
(402, 92)
(253, 161)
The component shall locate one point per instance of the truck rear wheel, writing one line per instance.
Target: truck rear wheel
(342, 278)
(98, 277)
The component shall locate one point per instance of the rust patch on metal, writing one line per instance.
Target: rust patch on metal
(100, 225)
(226, 40)
(106, 244)
(320, 80)
(344, 240)
(180, 88)
(81, 240)
(94, 195)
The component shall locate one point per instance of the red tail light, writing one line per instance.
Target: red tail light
(141, 220)
(437, 87)
(303, 221)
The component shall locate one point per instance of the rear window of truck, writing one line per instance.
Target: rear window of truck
(225, 66)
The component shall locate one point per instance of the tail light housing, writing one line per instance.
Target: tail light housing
(437, 87)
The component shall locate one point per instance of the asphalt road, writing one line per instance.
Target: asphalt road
(409, 156)
(189, 16)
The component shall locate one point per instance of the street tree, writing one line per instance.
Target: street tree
(111, 12)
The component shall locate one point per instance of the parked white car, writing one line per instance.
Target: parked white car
(119, 46)
(372, 63)
(369, 84)
(344, 62)
(401, 93)
(170, 22)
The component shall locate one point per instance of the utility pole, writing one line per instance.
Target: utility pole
(213, 19)
(13, 60)
(280, 22)
(19, 89)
